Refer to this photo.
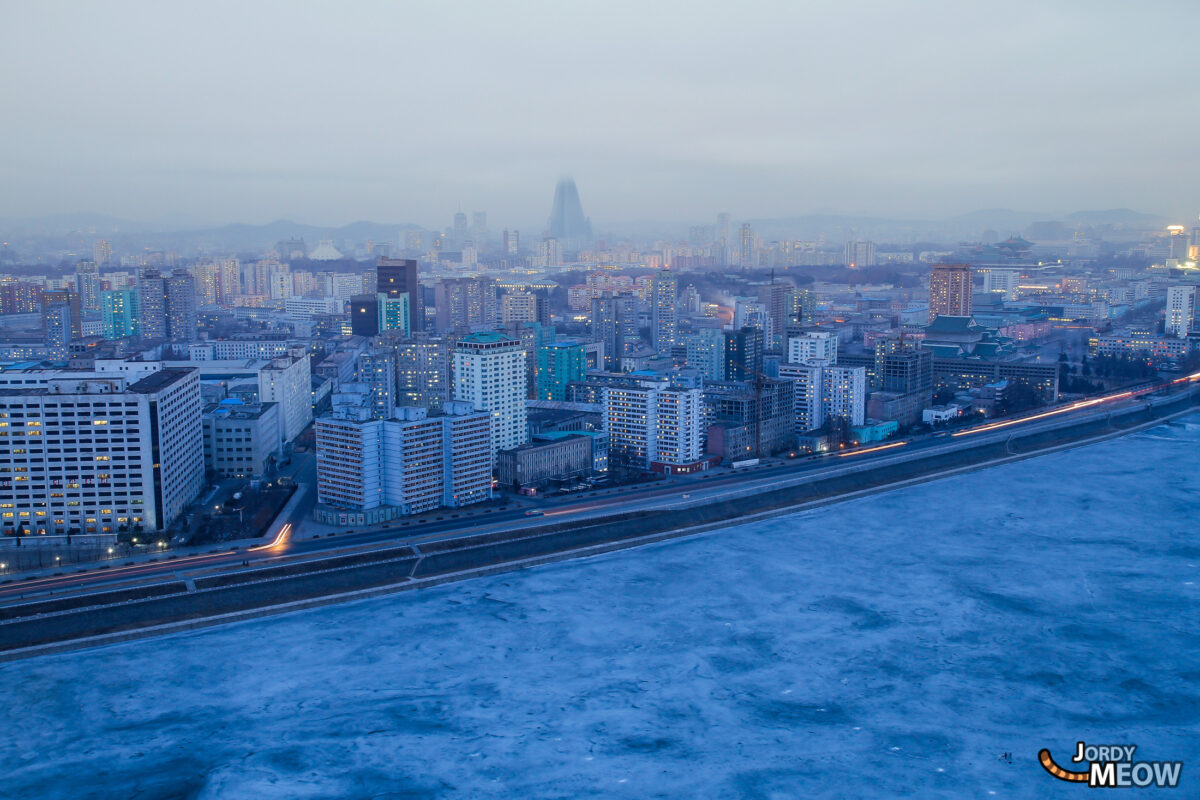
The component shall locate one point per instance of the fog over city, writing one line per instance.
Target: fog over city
(331, 113)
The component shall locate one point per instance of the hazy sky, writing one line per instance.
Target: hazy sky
(392, 111)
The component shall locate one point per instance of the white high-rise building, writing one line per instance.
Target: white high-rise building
(860, 254)
(518, 307)
(652, 424)
(287, 380)
(1181, 310)
(1001, 280)
(412, 462)
(96, 452)
(818, 345)
(490, 373)
(662, 310)
(824, 390)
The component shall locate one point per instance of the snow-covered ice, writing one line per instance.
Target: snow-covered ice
(896, 645)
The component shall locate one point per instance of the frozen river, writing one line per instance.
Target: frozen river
(897, 645)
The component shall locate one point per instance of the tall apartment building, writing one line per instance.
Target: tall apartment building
(655, 425)
(152, 291)
(558, 364)
(743, 354)
(490, 373)
(518, 307)
(422, 370)
(813, 345)
(397, 276)
(859, 254)
(705, 352)
(950, 291)
(98, 452)
(371, 469)
(777, 298)
(1002, 281)
(88, 285)
(662, 310)
(825, 390)
(120, 313)
(614, 322)
(377, 369)
(287, 380)
(1181, 310)
(748, 247)
(181, 307)
(58, 321)
(465, 302)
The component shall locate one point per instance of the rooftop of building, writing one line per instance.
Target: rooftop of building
(159, 380)
(233, 408)
(487, 337)
(945, 323)
(548, 439)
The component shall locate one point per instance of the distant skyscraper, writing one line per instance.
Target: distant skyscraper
(395, 276)
(512, 242)
(461, 231)
(463, 302)
(479, 228)
(567, 222)
(518, 307)
(87, 283)
(748, 250)
(102, 252)
(860, 254)
(662, 310)
(724, 223)
(57, 319)
(53, 296)
(153, 294)
(181, 307)
(1181, 310)
(777, 297)
(614, 322)
(950, 291)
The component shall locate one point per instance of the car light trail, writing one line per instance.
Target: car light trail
(1195, 376)
(871, 449)
(280, 538)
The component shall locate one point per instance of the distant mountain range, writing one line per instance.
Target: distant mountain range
(80, 230)
(83, 229)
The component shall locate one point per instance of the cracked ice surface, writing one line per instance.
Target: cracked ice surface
(895, 645)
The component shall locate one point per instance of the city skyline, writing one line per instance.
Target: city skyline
(874, 123)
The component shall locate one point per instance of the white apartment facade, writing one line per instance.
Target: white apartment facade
(1181, 310)
(813, 346)
(370, 469)
(654, 425)
(490, 373)
(99, 453)
(825, 390)
(287, 380)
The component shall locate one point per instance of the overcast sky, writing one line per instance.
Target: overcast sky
(332, 112)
